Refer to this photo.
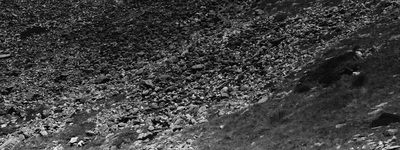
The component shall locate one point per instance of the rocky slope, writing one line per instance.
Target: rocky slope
(199, 74)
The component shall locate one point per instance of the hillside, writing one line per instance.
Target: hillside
(205, 74)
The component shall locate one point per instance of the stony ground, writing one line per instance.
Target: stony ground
(199, 74)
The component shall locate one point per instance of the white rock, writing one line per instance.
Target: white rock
(224, 89)
(73, 140)
(81, 143)
(44, 133)
(263, 99)
(340, 125)
(5, 55)
(375, 112)
(381, 105)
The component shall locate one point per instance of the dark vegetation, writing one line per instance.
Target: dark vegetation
(263, 74)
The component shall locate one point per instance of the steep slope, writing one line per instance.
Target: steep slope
(338, 115)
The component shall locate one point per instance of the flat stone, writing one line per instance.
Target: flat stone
(198, 66)
(4, 56)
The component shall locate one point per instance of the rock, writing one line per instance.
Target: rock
(224, 90)
(14, 73)
(244, 88)
(83, 99)
(170, 89)
(4, 56)
(90, 133)
(61, 77)
(73, 140)
(30, 96)
(259, 11)
(189, 141)
(375, 112)
(11, 141)
(381, 105)
(6, 90)
(121, 124)
(392, 132)
(154, 105)
(263, 99)
(44, 133)
(198, 66)
(119, 97)
(276, 42)
(145, 92)
(148, 83)
(224, 95)
(392, 147)
(340, 125)
(26, 131)
(81, 143)
(68, 120)
(280, 17)
(102, 79)
(164, 77)
(221, 126)
(135, 110)
(141, 53)
(180, 108)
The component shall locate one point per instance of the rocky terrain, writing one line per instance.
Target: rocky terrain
(247, 74)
